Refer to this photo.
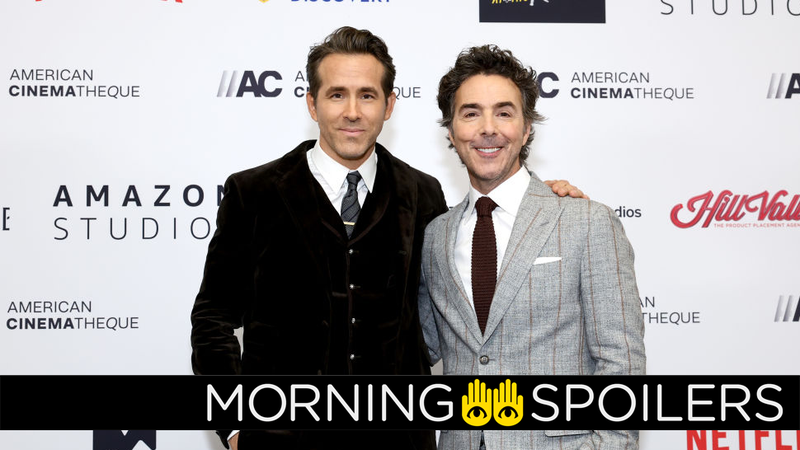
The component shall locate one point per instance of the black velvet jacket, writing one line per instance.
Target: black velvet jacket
(311, 301)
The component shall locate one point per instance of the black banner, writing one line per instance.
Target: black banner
(543, 11)
(399, 402)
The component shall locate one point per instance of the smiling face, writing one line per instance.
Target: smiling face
(488, 129)
(350, 107)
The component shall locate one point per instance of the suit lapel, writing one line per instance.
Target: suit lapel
(393, 186)
(378, 200)
(297, 188)
(445, 255)
(536, 219)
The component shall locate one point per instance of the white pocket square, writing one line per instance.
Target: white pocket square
(546, 259)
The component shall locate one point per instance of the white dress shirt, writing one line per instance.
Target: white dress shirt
(332, 176)
(508, 196)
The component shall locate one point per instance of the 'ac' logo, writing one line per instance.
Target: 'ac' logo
(123, 439)
(481, 404)
(784, 85)
(788, 310)
(545, 90)
(234, 85)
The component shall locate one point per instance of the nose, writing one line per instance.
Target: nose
(488, 127)
(351, 111)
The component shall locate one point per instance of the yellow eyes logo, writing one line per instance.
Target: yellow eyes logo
(507, 412)
(478, 404)
(477, 413)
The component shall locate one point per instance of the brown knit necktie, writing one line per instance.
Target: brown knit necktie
(484, 260)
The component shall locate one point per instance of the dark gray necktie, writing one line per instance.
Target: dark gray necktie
(350, 206)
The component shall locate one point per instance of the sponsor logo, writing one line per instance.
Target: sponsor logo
(176, 1)
(148, 224)
(742, 439)
(123, 439)
(784, 86)
(730, 8)
(652, 315)
(238, 84)
(610, 85)
(788, 309)
(623, 212)
(728, 210)
(63, 315)
(543, 11)
(503, 404)
(548, 90)
(410, 92)
(65, 83)
(5, 218)
(270, 83)
(340, 1)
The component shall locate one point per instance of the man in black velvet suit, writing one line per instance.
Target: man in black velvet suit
(311, 299)
(317, 254)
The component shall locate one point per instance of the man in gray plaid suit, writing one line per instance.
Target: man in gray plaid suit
(517, 281)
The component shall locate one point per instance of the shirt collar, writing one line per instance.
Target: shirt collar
(508, 195)
(335, 173)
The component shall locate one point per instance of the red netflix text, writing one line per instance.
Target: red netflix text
(742, 440)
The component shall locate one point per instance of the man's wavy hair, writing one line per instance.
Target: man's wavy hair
(350, 41)
(490, 60)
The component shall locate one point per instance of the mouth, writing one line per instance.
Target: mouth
(351, 131)
(488, 150)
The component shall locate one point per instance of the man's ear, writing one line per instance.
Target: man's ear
(528, 131)
(390, 101)
(312, 107)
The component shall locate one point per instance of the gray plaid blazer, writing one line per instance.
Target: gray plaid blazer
(566, 303)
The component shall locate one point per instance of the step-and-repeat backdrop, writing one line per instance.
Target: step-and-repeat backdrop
(121, 119)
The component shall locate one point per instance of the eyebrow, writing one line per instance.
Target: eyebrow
(505, 104)
(366, 89)
(478, 106)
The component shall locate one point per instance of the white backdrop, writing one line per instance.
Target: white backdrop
(107, 268)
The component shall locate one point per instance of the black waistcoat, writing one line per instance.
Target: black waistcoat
(365, 275)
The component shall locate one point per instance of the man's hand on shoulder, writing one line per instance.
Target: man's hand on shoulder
(563, 188)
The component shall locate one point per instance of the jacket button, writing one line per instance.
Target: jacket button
(352, 286)
(352, 356)
(484, 360)
(350, 251)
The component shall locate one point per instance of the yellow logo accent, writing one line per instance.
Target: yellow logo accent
(478, 406)
(507, 404)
